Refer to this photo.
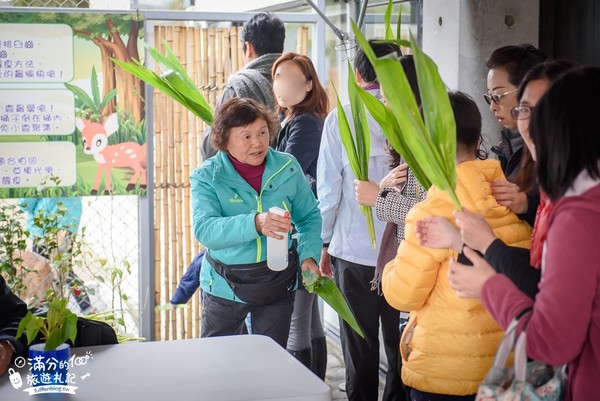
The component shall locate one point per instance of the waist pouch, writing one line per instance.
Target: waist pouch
(255, 283)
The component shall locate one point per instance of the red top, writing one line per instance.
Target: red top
(252, 174)
(565, 324)
(540, 231)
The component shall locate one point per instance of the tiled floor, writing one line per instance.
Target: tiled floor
(335, 371)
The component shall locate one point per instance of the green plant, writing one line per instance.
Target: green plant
(58, 326)
(174, 82)
(13, 241)
(357, 145)
(427, 142)
(92, 108)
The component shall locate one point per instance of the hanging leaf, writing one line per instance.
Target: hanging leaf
(324, 287)
(174, 82)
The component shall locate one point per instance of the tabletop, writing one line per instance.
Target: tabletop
(235, 368)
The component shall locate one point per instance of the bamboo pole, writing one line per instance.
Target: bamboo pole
(240, 50)
(233, 49)
(205, 86)
(226, 50)
(219, 56)
(302, 44)
(212, 66)
(180, 115)
(158, 135)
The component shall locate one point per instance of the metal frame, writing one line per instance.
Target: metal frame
(146, 203)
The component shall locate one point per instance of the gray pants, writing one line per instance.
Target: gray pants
(223, 317)
(306, 321)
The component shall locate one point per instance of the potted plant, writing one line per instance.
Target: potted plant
(50, 359)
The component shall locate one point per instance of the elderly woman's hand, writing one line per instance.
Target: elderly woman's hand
(269, 224)
(311, 265)
(468, 281)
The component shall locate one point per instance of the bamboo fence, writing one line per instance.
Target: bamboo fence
(210, 56)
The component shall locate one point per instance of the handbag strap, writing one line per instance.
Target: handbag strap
(508, 341)
(520, 361)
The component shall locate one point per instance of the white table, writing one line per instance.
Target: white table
(237, 368)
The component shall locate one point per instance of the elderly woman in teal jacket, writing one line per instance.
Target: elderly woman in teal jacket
(232, 193)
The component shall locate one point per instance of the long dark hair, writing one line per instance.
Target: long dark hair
(549, 71)
(564, 127)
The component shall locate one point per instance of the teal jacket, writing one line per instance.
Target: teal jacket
(224, 206)
(49, 206)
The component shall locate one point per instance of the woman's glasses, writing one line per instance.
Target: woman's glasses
(521, 112)
(497, 97)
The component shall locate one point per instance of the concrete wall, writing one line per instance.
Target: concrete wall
(459, 35)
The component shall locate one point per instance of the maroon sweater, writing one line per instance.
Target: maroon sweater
(252, 174)
(565, 324)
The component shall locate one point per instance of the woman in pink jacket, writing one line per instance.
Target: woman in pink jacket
(564, 327)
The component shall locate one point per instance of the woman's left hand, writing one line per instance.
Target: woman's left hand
(510, 195)
(311, 265)
(468, 281)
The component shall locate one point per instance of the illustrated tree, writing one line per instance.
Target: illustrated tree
(116, 39)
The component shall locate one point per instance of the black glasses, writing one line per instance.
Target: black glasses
(521, 112)
(497, 97)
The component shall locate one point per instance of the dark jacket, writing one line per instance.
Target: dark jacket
(514, 263)
(509, 151)
(301, 137)
(12, 310)
(189, 283)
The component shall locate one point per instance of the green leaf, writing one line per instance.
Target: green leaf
(81, 95)
(95, 90)
(399, 42)
(389, 34)
(429, 147)
(174, 82)
(325, 288)
(54, 339)
(399, 24)
(70, 332)
(391, 130)
(357, 145)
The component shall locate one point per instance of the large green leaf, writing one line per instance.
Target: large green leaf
(324, 287)
(392, 132)
(429, 147)
(174, 82)
(389, 34)
(357, 144)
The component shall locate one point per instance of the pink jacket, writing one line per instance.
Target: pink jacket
(565, 324)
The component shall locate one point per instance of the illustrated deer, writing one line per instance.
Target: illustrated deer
(122, 155)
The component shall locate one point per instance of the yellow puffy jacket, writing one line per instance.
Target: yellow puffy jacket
(449, 343)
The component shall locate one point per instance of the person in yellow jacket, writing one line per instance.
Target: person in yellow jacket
(449, 343)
